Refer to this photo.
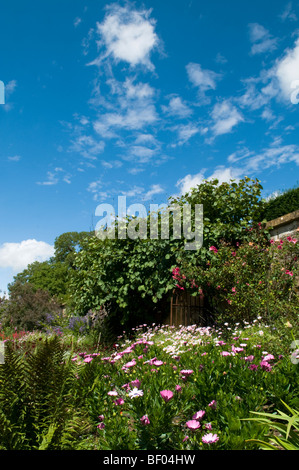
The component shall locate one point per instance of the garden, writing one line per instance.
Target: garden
(89, 363)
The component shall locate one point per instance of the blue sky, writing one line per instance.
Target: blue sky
(143, 100)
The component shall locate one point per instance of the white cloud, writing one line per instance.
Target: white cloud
(221, 173)
(177, 107)
(53, 177)
(185, 132)
(133, 119)
(77, 21)
(111, 164)
(261, 39)
(287, 70)
(10, 88)
(203, 79)
(259, 91)
(128, 35)
(279, 82)
(275, 155)
(144, 154)
(87, 146)
(155, 189)
(288, 14)
(131, 108)
(17, 256)
(190, 181)
(15, 158)
(220, 59)
(225, 116)
(132, 192)
(140, 91)
(146, 138)
(135, 170)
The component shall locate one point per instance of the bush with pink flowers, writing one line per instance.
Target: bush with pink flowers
(245, 280)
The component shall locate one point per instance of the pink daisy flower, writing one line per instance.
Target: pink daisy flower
(157, 363)
(166, 395)
(88, 359)
(210, 438)
(193, 424)
(199, 415)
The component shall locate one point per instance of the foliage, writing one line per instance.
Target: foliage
(134, 275)
(36, 405)
(283, 429)
(57, 395)
(280, 205)
(47, 276)
(67, 245)
(27, 306)
(243, 281)
(53, 275)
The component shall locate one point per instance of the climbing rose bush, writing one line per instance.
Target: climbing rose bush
(258, 277)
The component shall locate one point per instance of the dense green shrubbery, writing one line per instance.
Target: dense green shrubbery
(27, 307)
(135, 276)
(280, 205)
(256, 278)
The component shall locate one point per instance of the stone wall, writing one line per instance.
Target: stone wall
(285, 226)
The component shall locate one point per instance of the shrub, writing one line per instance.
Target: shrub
(134, 276)
(280, 205)
(246, 280)
(28, 307)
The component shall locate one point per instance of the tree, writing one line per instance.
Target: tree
(67, 245)
(27, 307)
(53, 275)
(134, 276)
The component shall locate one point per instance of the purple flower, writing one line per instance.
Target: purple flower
(266, 366)
(166, 395)
(186, 372)
(210, 438)
(88, 359)
(193, 424)
(129, 364)
(199, 415)
(253, 367)
(268, 357)
(119, 401)
(249, 358)
(144, 420)
(135, 383)
(213, 404)
(157, 363)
